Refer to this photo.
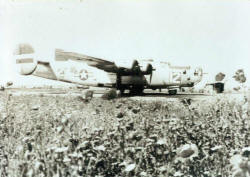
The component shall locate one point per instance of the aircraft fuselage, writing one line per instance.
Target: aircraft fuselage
(84, 70)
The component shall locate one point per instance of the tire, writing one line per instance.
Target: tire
(136, 90)
(122, 91)
(172, 92)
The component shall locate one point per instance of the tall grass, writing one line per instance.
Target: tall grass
(65, 136)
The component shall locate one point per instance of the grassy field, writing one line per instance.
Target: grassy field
(65, 136)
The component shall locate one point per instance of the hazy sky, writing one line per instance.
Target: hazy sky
(211, 34)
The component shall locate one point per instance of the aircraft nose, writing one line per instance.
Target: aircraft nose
(197, 75)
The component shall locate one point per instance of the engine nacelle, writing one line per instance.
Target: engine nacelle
(134, 68)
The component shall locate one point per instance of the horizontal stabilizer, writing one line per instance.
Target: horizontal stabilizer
(43, 69)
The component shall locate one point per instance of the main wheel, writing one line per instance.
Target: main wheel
(122, 91)
(136, 90)
(172, 92)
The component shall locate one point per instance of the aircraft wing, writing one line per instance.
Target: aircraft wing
(79, 68)
(127, 69)
(99, 63)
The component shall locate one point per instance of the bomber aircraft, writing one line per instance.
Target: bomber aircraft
(80, 69)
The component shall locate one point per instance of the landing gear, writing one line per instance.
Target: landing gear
(136, 90)
(119, 85)
(122, 91)
(172, 92)
(133, 89)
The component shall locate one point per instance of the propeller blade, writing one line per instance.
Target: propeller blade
(151, 74)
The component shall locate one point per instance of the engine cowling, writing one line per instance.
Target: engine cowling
(134, 68)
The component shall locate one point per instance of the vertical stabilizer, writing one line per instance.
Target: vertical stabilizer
(29, 65)
(24, 55)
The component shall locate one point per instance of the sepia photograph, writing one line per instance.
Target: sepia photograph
(124, 88)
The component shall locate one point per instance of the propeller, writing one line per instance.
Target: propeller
(136, 67)
(150, 70)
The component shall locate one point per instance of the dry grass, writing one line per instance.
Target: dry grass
(64, 136)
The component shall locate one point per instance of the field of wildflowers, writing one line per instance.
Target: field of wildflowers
(65, 136)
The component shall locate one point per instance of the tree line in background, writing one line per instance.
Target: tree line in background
(240, 77)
